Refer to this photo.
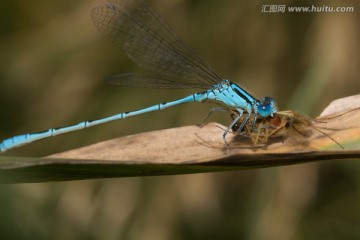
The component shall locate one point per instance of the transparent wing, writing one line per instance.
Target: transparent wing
(150, 42)
(138, 80)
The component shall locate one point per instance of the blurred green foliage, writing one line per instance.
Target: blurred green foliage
(52, 64)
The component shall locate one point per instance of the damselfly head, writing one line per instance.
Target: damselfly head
(266, 107)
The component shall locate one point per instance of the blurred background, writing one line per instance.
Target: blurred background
(52, 65)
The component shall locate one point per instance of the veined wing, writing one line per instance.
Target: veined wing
(146, 81)
(150, 42)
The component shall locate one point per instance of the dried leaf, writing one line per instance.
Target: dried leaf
(191, 149)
